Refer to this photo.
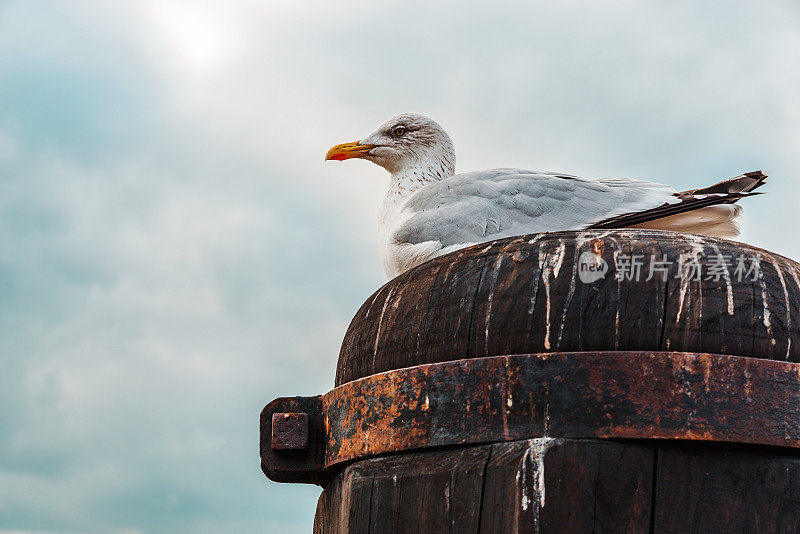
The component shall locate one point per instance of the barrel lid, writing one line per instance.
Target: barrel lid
(620, 290)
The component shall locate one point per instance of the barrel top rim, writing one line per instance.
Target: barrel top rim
(595, 233)
(439, 310)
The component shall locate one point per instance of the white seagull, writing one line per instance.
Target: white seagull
(429, 210)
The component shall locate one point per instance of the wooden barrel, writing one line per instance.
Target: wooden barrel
(622, 381)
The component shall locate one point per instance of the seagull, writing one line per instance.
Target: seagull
(429, 210)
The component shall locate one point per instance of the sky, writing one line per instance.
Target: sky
(174, 252)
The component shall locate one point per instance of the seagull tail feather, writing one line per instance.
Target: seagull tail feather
(708, 211)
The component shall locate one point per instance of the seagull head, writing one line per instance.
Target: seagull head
(404, 144)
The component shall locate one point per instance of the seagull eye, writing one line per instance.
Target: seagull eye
(399, 131)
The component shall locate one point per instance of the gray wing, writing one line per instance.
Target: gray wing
(480, 206)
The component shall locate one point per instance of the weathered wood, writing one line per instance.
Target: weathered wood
(524, 295)
(547, 485)
(726, 489)
(543, 485)
(347, 500)
(369, 496)
(597, 486)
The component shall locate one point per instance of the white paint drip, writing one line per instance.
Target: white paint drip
(540, 483)
(369, 308)
(587, 236)
(523, 472)
(559, 258)
(536, 238)
(547, 319)
(535, 454)
(534, 293)
(785, 300)
(767, 312)
(380, 321)
(728, 284)
(554, 264)
(682, 298)
(697, 251)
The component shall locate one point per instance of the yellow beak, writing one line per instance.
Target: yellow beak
(348, 150)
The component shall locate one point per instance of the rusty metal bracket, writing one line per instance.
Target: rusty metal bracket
(293, 440)
(623, 395)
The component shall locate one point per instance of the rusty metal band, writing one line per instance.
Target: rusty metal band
(632, 395)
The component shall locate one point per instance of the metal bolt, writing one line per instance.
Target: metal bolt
(289, 431)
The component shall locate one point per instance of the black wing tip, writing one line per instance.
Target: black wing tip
(760, 178)
(744, 183)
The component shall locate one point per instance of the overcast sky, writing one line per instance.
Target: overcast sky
(174, 253)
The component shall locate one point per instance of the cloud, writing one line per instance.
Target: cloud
(176, 254)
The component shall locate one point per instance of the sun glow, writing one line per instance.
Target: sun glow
(198, 33)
